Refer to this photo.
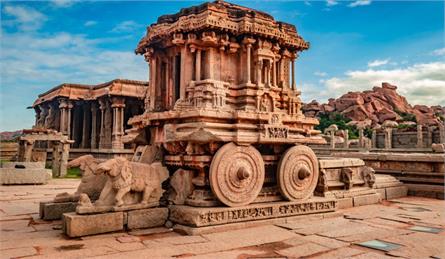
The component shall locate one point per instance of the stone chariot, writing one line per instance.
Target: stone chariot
(222, 104)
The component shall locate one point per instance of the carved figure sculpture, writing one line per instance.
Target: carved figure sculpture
(125, 176)
(91, 184)
(346, 177)
(368, 174)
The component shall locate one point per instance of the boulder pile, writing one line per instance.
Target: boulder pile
(377, 105)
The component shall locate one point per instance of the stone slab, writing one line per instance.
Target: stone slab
(75, 225)
(345, 203)
(24, 176)
(147, 218)
(382, 193)
(200, 217)
(27, 165)
(340, 162)
(396, 192)
(367, 199)
(55, 210)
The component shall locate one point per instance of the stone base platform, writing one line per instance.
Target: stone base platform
(75, 225)
(191, 219)
(49, 210)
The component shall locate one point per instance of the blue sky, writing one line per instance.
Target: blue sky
(355, 45)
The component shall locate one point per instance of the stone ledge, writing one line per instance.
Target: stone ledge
(200, 217)
(367, 199)
(146, 218)
(24, 176)
(75, 225)
(83, 225)
(54, 210)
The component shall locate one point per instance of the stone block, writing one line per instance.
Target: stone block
(146, 218)
(344, 203)
(340, 162)
(55, 210)
(24, 176)
(367, 199)
(75, 225)
(396, 192)
(26, 165)
(382, 193)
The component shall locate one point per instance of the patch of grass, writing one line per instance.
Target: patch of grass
(73, 173)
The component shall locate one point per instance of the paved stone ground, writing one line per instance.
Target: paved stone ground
(23, 235)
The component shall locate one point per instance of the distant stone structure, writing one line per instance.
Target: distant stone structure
(93, 116)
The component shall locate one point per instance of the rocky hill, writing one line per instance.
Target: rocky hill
(10, 135)
(376, 106)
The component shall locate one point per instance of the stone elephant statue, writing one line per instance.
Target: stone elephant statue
(128, 179)
(91, 184)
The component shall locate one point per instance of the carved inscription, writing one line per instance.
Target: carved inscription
(277, 132)
(218, 216)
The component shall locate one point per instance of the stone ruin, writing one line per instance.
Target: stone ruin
(222, 139)
(30, 165)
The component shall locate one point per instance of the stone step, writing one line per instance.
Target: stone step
(390, 171)
(421, 180)
(426, 190)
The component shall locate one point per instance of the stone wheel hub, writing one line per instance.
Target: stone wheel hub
(236, 174)
(297, 173)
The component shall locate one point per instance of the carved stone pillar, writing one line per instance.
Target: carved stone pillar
(64, 159)
(346, 137)
(419, 136)
(274, 72)
(388, 138)
(56, 159)
(361, 139)
(429, 138)
(105, 124)
(198, 65)
(37, 111)
(85, 126)
(374, 139)
(248, 62)
(211, 59)
(294, 87)
(153, 82)
(93, 125)
(118, 105)
(183, 82)
(29, 145)
(259, 67)
(42, 117)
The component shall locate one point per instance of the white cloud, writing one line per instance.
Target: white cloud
(321, 74)
(90, 23)
(25, 18)
(439, 52)
(360, 3)
(126, 26)
(331, 2)
(422, 83)
(62, 3)
(378, 62)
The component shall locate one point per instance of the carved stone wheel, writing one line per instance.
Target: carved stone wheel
(236, 174)
(297, 174)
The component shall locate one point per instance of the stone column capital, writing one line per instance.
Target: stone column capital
(117, 102)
